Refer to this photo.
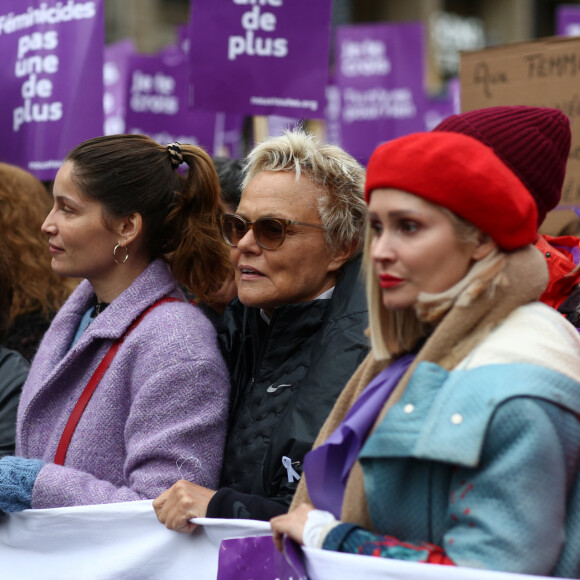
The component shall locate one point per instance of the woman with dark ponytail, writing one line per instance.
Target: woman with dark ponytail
(128, 391)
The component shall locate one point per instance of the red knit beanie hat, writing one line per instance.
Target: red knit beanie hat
(534, 142)
(461, 174)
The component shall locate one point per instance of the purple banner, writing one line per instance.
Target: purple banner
(115, 75)
(378, 92)
(257, 558)
(157, 106)
(568, 20)
(266, 58)
(51, 79)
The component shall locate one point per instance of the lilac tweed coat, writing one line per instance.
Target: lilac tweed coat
(158, 414)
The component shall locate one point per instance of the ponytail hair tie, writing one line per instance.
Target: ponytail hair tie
(174, 150)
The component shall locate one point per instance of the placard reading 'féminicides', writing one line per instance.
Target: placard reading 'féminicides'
(51, 79)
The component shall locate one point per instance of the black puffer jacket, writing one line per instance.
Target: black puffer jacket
(286, 377)
(13, 373)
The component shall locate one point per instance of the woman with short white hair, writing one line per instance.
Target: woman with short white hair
(295, 333)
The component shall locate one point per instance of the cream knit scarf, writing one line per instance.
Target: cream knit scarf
(463, 318)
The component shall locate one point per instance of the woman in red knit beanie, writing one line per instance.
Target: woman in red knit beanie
(534, 142)
(456, 441)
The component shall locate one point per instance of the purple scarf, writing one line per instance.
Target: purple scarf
(327, 467)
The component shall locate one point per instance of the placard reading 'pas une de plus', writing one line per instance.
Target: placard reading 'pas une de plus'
(260, 57)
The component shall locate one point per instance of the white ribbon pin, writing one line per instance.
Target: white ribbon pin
(292, 475)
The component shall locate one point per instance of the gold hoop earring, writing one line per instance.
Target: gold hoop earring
(115, 254)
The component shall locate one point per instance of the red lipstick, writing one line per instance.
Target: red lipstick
(388, 281)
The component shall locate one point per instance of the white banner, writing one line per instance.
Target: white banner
(125, 541)
(110, 541)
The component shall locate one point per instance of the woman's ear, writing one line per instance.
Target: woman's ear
(130, 227)
(340, 257)
(485, 245)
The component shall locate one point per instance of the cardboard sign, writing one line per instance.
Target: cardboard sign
(544, 73)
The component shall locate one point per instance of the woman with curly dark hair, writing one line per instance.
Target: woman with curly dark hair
(13, 369)
(38, 292)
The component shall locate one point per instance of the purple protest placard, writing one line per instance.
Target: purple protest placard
(115, 80)
(332, 114)
(568, 20)
(260, 58)
(51, 79)
(228, 135)
(157, 104)
(379, 77)
(183, 37)
(443, 106)
(277, 124)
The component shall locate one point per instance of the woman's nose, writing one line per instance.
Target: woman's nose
(382, 248)
(48, 228)
(248, 243)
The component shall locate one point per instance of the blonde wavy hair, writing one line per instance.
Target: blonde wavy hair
(24, 204)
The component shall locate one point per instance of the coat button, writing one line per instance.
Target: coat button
(409, 408)
(457, 418)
